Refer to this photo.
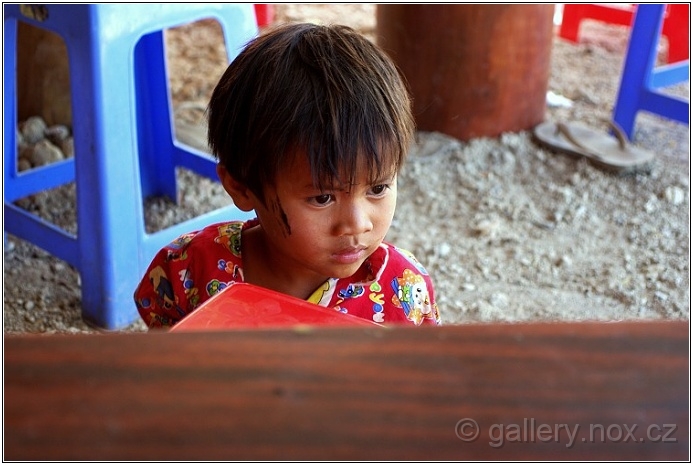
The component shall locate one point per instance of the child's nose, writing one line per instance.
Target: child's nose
(354, 219)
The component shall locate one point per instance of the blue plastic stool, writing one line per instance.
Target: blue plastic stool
(124, 141)
(642, 79)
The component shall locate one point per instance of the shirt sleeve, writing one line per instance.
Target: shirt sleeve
(164, 296)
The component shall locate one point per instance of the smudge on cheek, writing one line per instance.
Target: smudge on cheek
(279, 213)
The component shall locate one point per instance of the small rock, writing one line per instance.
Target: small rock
(20, 139)
(44, 152)
(57, 133)
(67, 146)
(29, 305)
(468, 287)
(33, 129)
(587, 97)
(444, 249)
(25, 152)
(651, 204)
(498, 300)
(23, 164)
(57, 267)
(504, 157)
(485, 228)
(674, 195)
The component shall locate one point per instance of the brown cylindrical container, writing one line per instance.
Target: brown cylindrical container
(473, 70)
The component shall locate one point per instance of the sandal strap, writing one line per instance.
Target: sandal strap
(563, 130)
(620, 134)
(623, 141)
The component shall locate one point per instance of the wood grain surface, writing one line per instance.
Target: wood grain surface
(565, 391)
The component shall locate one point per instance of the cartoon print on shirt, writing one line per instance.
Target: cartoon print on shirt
(177, 249)
(160, 320)
(378, 299)
(191, 292)
(231, 268)
(323, 293)
(411, 294)
(230, 237)
(164, 290)
(214, 286)
(352, 290)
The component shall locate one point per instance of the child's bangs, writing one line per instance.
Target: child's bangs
(334, 164)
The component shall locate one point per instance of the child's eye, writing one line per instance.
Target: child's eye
(321, 200)
(379, 189)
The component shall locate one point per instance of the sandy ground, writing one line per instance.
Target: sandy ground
(508, 230)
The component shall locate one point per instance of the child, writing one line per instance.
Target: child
(310, 125)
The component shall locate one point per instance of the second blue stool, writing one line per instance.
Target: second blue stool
(642, 80)
(124, 141)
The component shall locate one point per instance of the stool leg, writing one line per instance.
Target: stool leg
(9, 130)
(109, 207)
(638, 65)
(9, 146)
(155, 134)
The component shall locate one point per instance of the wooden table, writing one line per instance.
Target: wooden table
(610, 391)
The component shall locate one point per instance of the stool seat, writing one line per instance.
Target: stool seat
(124, 142)
(642, 80)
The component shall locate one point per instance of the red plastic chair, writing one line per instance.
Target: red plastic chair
(264, 14)
(675, 26)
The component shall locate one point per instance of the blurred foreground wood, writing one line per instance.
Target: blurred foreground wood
(353, 394)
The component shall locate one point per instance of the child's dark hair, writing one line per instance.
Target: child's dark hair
(325, 90)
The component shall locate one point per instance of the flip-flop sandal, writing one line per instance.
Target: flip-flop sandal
(612, 153)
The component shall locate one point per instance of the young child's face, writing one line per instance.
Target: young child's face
(329, 233)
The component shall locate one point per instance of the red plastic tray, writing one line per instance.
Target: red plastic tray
(245, 306)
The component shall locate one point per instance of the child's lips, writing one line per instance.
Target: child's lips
(350, 254)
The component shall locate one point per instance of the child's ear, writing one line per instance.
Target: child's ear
(241, 195)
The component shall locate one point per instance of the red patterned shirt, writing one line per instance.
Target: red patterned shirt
(391, 286)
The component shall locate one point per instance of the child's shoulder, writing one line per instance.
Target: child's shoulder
(399, 258)
(226, 234)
